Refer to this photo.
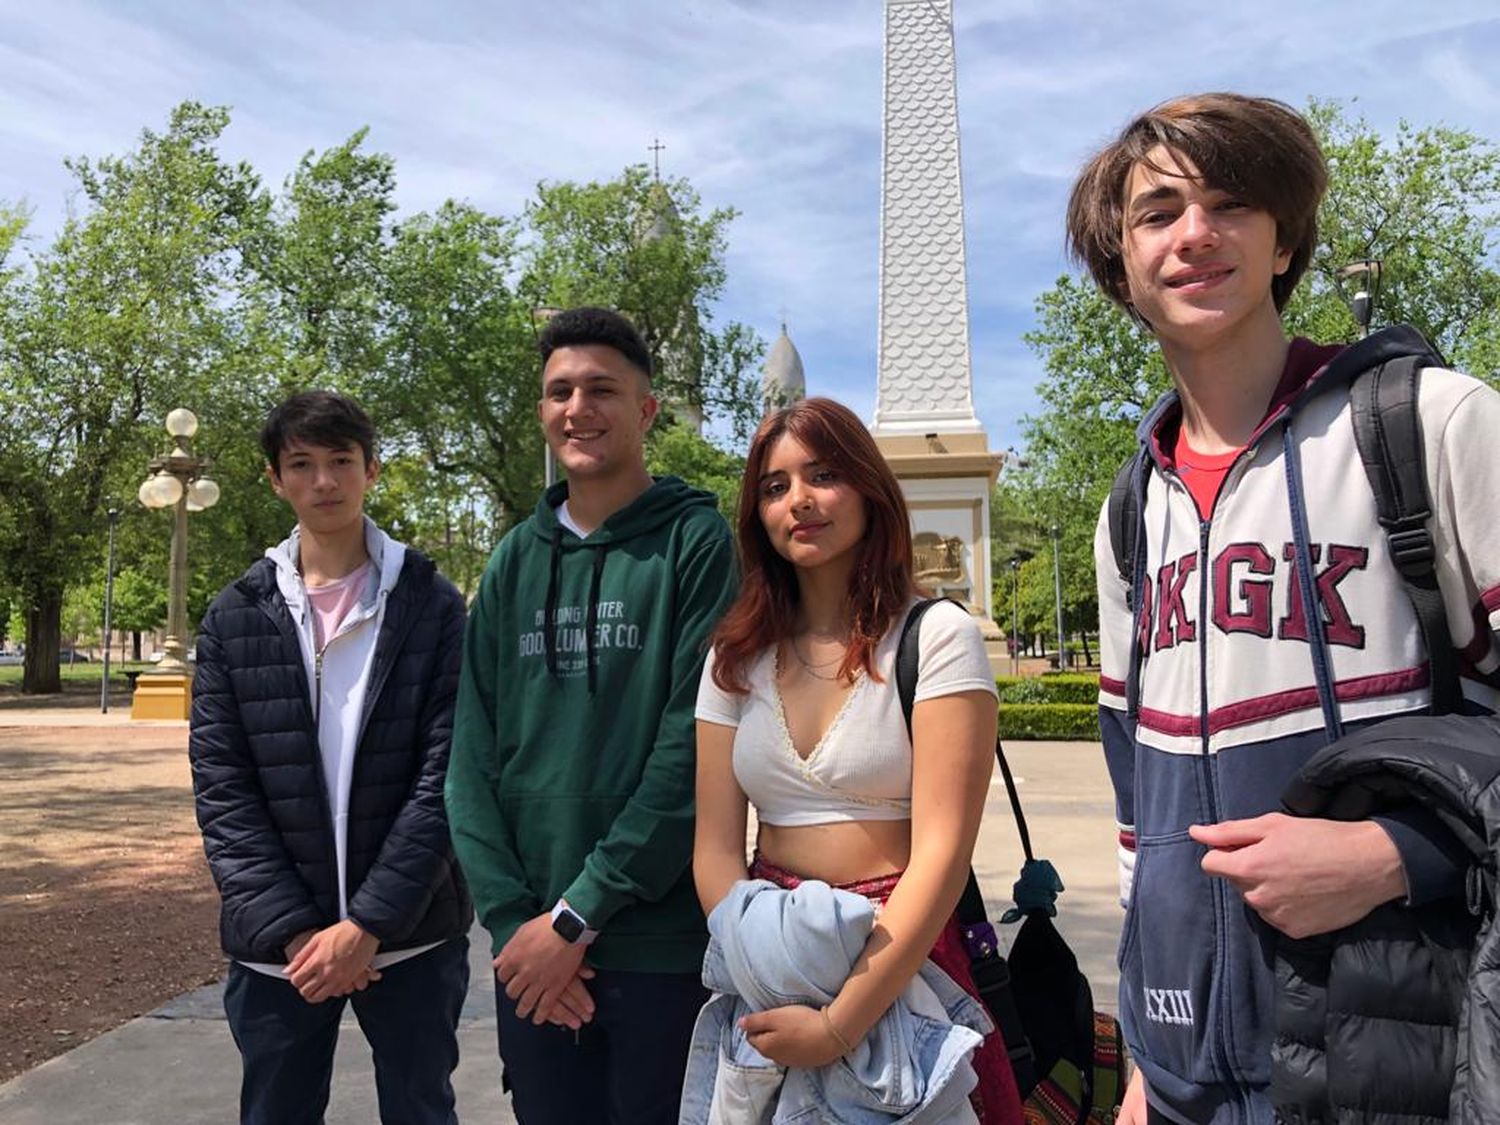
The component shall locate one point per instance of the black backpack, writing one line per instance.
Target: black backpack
(1068, 1059)
(1388, 431)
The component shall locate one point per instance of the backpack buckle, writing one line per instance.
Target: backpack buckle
(1412, 550)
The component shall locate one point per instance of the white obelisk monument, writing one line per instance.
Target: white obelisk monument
(924, 413)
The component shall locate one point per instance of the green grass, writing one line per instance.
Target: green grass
(10, 674)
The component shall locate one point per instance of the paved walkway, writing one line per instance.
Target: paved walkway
(178, 1064)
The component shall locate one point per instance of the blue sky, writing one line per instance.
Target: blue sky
(772, 106)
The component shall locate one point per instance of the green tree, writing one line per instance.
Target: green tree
(140, 604)
(316, 268)
(436, 511)
(83, 615)
(647, 248)
(124, 317)
(462, 378)
(1426, 204)
(466, 293)
(13, 221)
(675, 450)
(1423, 203)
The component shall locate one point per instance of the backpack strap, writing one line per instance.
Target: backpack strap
(1388, 431)
(908, 654)
(979, 934)
(1123, 517)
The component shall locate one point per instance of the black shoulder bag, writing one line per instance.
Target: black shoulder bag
(1068, 1059)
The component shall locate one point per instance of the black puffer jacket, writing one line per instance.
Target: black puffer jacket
(1397, 1018)
(258, 778)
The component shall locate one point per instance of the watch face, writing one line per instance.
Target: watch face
(568, 926)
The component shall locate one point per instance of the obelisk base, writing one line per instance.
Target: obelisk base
(947, 480)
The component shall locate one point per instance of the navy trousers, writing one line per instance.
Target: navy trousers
(409, 1017)
(624, 1067)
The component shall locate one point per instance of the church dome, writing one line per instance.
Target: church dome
(661, 218)
(784, 381)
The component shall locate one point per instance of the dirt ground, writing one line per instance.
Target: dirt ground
(106, 906)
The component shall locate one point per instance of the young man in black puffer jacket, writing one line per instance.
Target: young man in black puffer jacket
(322, 712)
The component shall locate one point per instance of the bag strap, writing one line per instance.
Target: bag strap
(1123, 518)
(908, 655)
(970, 911)
(1388, 431)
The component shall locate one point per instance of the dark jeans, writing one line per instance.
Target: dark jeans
(624, 1067)
(409, 1017)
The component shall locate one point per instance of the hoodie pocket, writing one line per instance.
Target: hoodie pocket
(1169, 975)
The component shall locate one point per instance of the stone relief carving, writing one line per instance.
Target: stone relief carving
(938, 563)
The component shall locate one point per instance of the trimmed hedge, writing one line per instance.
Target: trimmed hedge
(1057, 687)
(1020, 721)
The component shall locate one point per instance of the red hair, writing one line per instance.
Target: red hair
(880, 585)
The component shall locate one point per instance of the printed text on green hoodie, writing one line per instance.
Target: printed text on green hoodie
(572, 767)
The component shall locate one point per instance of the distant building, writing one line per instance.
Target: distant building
(783, 382)
(677, 345)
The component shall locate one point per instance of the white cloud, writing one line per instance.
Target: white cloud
(772, 106)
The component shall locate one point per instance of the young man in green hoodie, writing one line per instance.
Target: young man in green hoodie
(570, 787)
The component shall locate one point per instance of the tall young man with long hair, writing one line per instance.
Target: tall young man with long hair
(1264, 610)
(571, 788)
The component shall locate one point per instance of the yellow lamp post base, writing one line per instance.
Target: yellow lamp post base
(162, 695)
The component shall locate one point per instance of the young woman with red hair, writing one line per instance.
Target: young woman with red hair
(798, 715)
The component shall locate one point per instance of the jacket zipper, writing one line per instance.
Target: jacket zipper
(317, 702)
(1216, 886)
(1205, 759)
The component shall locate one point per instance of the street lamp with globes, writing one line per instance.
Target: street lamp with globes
(176, 481)
(1359, 284)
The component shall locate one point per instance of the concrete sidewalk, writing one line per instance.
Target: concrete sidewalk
(178, 1064)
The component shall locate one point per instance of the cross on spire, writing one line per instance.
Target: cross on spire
(656, 148)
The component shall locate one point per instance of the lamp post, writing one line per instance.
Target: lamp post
(176, 482)
(1062, 648)
(1359, 285)
(1015, 617)
(109, 605)
(1016, 560)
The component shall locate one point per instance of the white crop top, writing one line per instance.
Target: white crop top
(861, 767)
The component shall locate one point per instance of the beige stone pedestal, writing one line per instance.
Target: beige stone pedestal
(162, 695)
(947, 480)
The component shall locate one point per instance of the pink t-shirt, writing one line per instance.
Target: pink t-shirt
(332, 603)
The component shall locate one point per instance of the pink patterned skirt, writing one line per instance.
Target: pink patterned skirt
(995, 1098)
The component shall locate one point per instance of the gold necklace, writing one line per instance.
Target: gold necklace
(811, 668)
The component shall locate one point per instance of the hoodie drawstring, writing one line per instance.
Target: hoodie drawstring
(1307, 588)
(551, 603)
(593, 612)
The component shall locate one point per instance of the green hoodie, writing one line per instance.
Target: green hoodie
(572, 766)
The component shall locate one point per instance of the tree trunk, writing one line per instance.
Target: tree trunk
(1088, 656)
(41, 675)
